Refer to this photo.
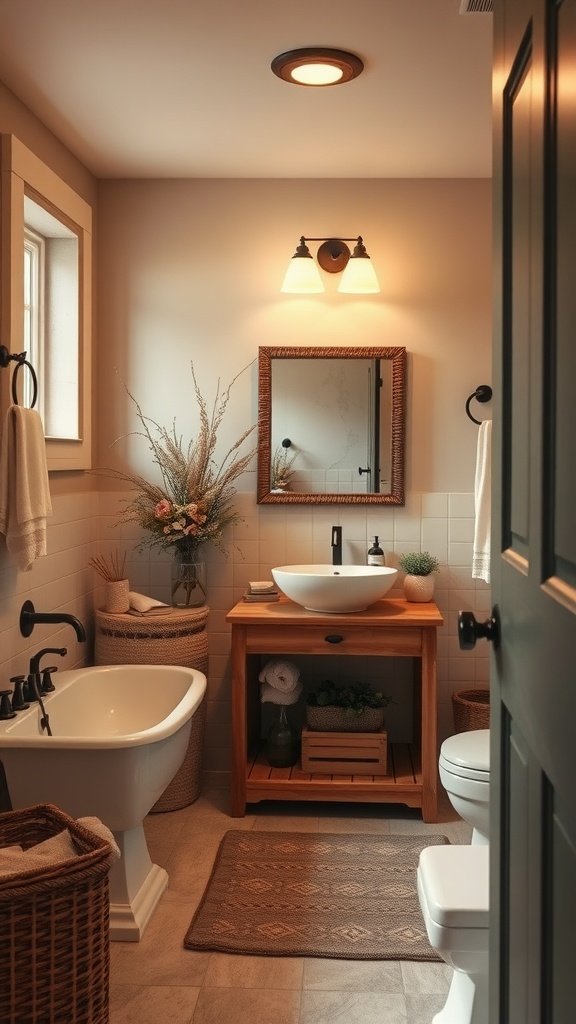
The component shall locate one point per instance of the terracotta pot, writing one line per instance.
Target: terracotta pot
(419, 588)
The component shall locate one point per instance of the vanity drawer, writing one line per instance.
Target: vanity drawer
(303, 639)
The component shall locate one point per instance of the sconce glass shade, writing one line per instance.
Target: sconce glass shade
(302, 275)
(359, 276)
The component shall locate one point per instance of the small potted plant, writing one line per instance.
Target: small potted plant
(353, 708)
(418, 582)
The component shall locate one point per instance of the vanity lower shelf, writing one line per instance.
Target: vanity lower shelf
(402, 783)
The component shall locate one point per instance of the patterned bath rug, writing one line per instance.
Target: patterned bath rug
(350, 897)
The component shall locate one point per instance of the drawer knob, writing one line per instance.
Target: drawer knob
(333, 638)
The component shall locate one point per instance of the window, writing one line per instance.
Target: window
(33, 313)
(47, 285)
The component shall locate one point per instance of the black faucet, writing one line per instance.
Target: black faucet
(336, 545)
(29, 618)
(47, 686)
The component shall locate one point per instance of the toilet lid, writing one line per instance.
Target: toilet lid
(467, 750)
(455, 882)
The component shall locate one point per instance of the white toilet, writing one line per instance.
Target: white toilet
(464, 766)
(453, 894)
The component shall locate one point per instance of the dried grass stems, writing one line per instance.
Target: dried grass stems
(198, 490)
(110, 567)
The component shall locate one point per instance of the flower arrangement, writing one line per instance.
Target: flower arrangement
(193, 502)
(418, 563)
(281, 467)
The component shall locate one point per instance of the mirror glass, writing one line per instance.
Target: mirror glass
(331, 425)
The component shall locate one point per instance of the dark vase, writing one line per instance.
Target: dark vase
(283, 742)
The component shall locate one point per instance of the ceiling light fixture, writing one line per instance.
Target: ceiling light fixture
(317, 66)
(303, 277)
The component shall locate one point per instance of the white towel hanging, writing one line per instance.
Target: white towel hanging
(482, 502)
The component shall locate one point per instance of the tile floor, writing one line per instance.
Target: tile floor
(157, 980)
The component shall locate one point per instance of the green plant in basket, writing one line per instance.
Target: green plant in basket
(418, 563)
(354, 698)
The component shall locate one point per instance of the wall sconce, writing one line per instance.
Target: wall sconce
(358, 278)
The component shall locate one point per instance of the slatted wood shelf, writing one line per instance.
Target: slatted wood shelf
(402, 784)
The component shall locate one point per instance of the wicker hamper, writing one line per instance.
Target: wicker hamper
(54, 926)
(471, 710)
(177, 638)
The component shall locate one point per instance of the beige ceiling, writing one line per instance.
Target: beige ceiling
(183, 88)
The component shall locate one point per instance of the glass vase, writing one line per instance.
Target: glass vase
(283, 742)
(188, 584)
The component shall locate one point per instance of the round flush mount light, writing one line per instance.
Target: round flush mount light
(317, 65)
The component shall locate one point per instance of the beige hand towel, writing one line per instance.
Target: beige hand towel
(24, 489)
(52, 851)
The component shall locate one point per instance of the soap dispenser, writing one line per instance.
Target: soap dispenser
(375, 554)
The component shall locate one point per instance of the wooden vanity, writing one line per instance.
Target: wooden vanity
(391, 627)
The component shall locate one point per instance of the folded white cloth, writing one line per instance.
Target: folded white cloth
(281, 675)
(24, 488)
(141, 603)
(52, 851)
(268, 695)
(482, 502)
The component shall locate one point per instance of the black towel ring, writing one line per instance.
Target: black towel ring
(483, 393)
(20, 359)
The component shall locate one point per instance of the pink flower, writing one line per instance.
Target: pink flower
(162, 509)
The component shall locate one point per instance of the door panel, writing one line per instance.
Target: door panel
(533, 803)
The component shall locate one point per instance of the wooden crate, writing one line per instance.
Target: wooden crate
(344, 753)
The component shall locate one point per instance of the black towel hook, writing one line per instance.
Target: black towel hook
(20, 359)
(483, 393)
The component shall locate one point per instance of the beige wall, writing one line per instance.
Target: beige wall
(191, 270)
(62, 581)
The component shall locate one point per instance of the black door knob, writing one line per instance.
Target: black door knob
(470, 630)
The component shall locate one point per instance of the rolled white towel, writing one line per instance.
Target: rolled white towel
(282, 675)
(268, 695)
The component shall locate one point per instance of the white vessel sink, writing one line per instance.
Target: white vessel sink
(334, 588)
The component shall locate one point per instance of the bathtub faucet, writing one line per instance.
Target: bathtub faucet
(29, 618)
(46, 686)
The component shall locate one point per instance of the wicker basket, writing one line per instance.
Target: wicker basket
(176, 638)
(54, 926)
(332, 719)
(471, 710)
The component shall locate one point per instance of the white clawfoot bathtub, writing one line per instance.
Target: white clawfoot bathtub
(119, 735)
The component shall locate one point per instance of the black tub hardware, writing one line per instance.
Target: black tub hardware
(18, 701)
(19, 358)
(32, 693)
(482, 394)
(29, 618)
(6, 710)
(47, 684)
